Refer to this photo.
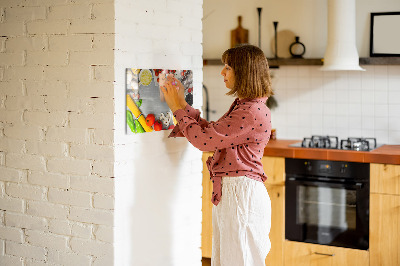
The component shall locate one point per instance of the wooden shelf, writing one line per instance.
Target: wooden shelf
(380, 61)
(274, 63)
(212, 62)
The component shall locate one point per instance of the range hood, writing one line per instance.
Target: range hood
(341, 51)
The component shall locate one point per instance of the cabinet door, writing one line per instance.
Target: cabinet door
(385, 178)
(277, 233)
(304, 254)
(274, 168)
(384, 229)
(206, 226)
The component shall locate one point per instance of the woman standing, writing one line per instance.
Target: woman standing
(242, 208)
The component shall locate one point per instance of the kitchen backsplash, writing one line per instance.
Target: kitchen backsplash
(314, 102)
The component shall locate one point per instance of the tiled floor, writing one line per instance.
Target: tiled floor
(206, 261)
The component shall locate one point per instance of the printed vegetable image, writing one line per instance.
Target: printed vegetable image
(166, 119)
(150, 119)
(130, 121)
(146, 108)
(136, 112)
(139, 128)
(157, 126)
(133, 124)
(145, 77)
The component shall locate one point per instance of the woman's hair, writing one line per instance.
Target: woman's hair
(250, 66)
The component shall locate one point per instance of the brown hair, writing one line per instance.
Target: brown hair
(250, 66)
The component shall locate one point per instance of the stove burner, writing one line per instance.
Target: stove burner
(332, 142)
(358, 144)
(328, 142)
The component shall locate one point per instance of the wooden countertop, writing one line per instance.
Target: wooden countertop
(389, 154)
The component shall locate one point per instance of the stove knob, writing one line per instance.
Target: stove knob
(308, 166)
(343, 168)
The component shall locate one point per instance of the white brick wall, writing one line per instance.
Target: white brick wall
(156, 190)
(56, 132)
(17, 220)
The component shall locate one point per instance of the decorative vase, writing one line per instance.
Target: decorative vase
(297, 49)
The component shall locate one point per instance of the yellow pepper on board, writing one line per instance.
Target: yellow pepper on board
(137, 113)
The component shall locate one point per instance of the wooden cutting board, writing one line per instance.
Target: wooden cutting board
(239, 35)
(285, 39)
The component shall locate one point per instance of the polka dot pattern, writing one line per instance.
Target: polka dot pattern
(238, 139)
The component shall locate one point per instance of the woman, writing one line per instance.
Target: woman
(242, 208)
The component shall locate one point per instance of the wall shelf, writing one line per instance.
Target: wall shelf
(274, 63)
(380, 61)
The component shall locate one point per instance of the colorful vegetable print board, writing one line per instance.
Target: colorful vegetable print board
(146, 109)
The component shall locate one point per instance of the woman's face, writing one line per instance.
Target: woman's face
(229, 76)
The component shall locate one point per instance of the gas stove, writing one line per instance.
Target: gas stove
(332, 142)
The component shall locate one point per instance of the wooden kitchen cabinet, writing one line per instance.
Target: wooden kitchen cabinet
(385, 178)
(277, 233)
(305, 254)
(384, 236)
(206, 225)
(274, 168)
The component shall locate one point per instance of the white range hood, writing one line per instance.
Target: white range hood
(341, 51)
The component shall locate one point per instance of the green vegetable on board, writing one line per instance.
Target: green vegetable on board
(139, 128)
(138, 102)
(130, 121)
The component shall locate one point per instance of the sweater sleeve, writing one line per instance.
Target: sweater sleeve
(229, 131)
(193, 113)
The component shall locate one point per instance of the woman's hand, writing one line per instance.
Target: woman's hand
(174, 93)
(181, 92)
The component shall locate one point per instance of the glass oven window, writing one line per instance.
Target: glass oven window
(326, 207)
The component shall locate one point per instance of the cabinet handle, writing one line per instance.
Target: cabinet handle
(324, 254)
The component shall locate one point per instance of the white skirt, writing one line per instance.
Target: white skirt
(241, 223)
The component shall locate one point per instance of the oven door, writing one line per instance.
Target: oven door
(327, 213)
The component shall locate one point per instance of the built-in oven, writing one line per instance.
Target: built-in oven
(327, 202)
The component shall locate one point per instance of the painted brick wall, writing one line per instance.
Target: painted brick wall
(158, 180)
(56, 132)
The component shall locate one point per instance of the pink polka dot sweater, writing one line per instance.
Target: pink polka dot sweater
(238, 139)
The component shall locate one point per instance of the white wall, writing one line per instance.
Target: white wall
(344, 103)
(56, 132)
(304, 18)
(158, 180)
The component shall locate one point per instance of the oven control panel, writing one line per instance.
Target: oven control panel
(325, 167)
(337, 169)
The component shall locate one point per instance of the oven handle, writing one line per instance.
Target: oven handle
(357, 185)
